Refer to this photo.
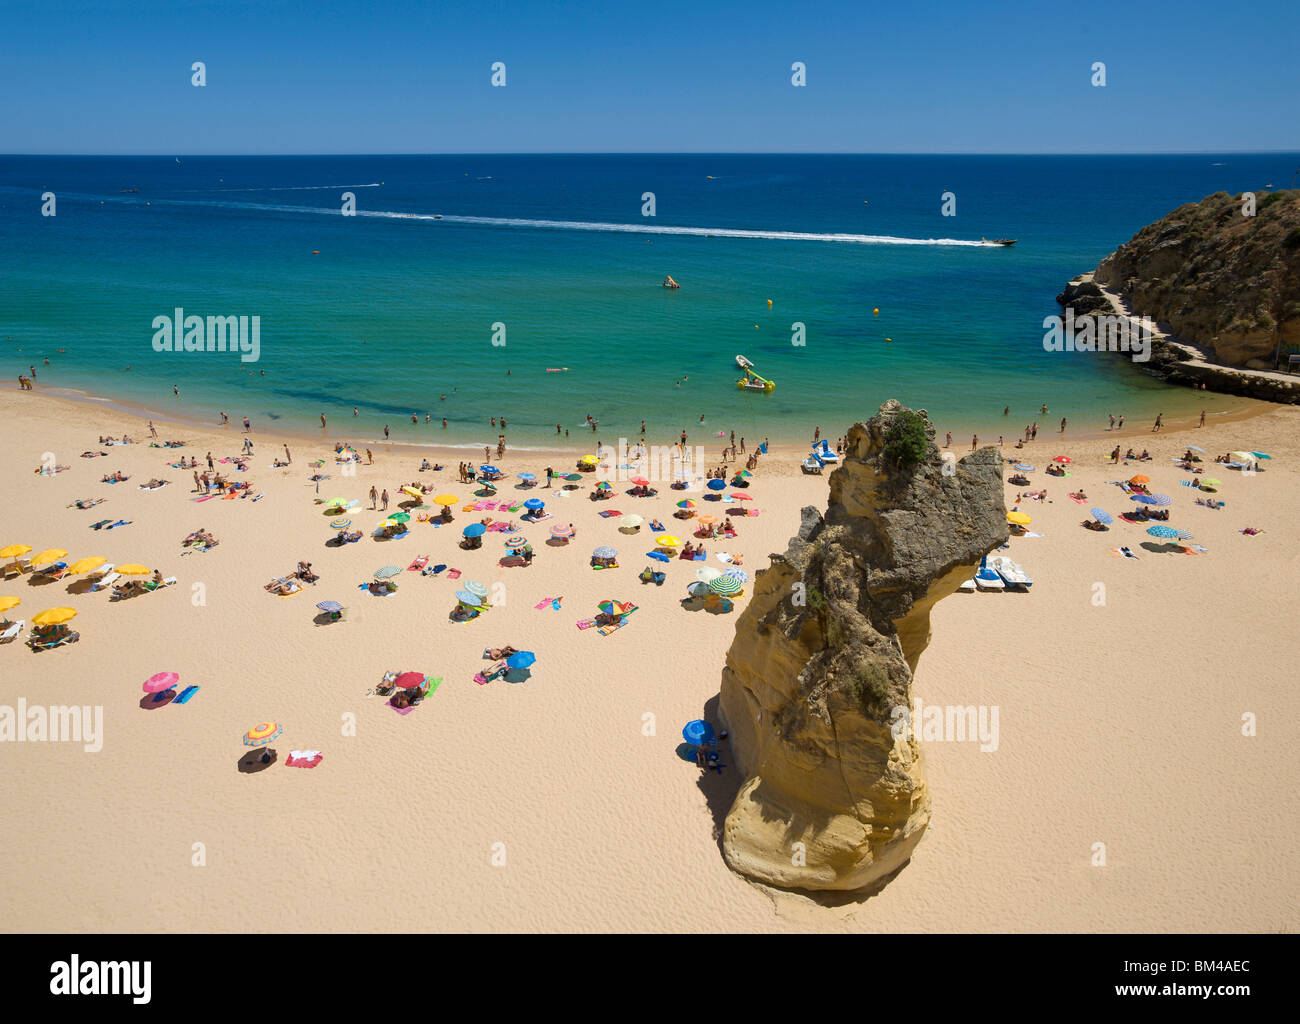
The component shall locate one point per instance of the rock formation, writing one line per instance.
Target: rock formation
(824, 653)
(1223, 280)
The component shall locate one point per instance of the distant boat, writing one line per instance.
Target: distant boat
(670, 283)
(999, 241)
(437, 216)
(127, 191)
(743, 363)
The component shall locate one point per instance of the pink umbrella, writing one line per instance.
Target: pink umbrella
(160, 682)
(743, 497)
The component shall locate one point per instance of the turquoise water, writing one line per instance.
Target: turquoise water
(397, 310)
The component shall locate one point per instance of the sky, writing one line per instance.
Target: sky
(341, 76)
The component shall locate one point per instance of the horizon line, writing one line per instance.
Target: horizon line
(685, 152)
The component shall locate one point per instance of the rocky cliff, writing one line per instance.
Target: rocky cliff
(825, 651)
(1226, 281)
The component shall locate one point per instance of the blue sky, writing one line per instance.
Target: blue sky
(336, 76)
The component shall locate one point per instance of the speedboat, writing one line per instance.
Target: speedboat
(987, 578)
(1012, 573)
(999, 241)
(744, 363)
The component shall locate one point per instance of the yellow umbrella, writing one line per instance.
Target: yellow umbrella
(54, 616)
(48, 555)
(445, 499)
(14, 550)
(1019, 518)
(9, 602)
(668, 541)
(589, 460)
(413, 493)
(134, 570)
(86, 565)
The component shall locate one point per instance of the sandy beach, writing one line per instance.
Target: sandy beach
(561, 803)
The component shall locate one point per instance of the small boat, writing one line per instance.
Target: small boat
(753, 382)
(744, 363)
(987, 578)
(999, 241)
(670, 283)
(1012, 573)
(127, 191)
(822, 452)
(810, 465)
(437, 216)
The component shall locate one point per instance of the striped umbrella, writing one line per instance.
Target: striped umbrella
(1144, 499)
(1184, 534)
(476, 588)
(517, 541)
(329, 606)
(1162, 499)
(686, 503)
(561, 532)
(604, 551)
(1160, 530)
(736, 574)
(745, 473)
(160, 682)
(1023, 468)
(262, 734)
(316, 463)
(386, 572)
(727, 586)
(341, 523)
(1102, 516)
(604, 485)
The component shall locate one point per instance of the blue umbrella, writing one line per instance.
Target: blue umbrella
(716, 485)
(488, 469)
(1162, 499)
(534, 503)
(521, 659)
(1145, 499)
(1261, 455)
(698, 733)
(474, 530)
(330, 606)
(465, 597)
(527, 476)
(604, 552)
(1163, 531)
(1022, 466)
(1102, 516)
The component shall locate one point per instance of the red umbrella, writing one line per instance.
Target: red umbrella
(640, 481)
(1063, 458)
(743, 497)
(409, 680)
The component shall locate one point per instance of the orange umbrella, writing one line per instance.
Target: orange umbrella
(1139, 479)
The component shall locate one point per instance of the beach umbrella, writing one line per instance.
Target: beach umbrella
(521, 659)
(399, 517)
(686, 503)
(387, 572)
(1258, 455)
(743, 497)
(134, 569)
(716, 485)
(418, 495)
(1161, 499)
(329, 606)
(341, 523)
(697, 589)
(1196, 448)
(604, 485)
(1063, 459)
(604, 551)
(517, 541)
(160, 682)
(697, 733)
(1184, 534)
(708, 520)
(589, 460)
(736, 574)
(572, 477)
(1244, 456)
(14, 550)
(336, 503)
(1211, 481)
(54, 616)
(634, 521)
(476, 588)
(474, 530)
(1019, 518)
(89, 564)
(1139, 479)
(668, 541)
(745, 473)
(726, 586)
(707, 574)
(316, 463)
(640, 481)
(409, 680)
(1160, 530)
(445, 499)
(527, 476)
(465, 597)
(1144, 499)
(48, 555)
(1023, 468)
(9, 602)
(612, 607)
(262, 734)
(1102, 516)
(561, 532)
(534, 503)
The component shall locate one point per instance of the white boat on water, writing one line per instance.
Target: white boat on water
(743, 363)
(1012, 573)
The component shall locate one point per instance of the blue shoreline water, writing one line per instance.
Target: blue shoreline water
(397, 310)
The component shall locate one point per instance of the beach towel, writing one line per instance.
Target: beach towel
(120, 522)
(101, 524)
(585, 623)
(303, 759)
(609, 513)
(606, 630)
(186, 694)
(542, 603)
(401, 711)
(453, 574)
(1078, 501)
(556, 603)
(1122, 554)
(433, 570)
(418, 564)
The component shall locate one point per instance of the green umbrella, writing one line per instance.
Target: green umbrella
(571, 477)
(399, 517)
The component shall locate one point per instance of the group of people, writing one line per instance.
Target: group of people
(200, 538)
(1144, 457)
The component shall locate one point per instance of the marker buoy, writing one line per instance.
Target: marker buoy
(769, 303)
(876, 311)
(315, 252)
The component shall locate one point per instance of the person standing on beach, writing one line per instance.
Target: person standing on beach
(548, 476)
(974, 441)
(486, 452)
(1062, 424)
(287, 457)
(384, 498)
(1120, 426)
(153, 431)
(999, 440)
(385, 431)
(247, 425)
(374, 497)
(817, 432)
(1159, 417)
(1202, 423)
(197, 485)
(322, 421)
(642, 427)
(1112, 421)
(1033, 434)
(210, 467)
(948, 443)
(370, 459)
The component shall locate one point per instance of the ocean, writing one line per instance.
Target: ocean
(549, 263)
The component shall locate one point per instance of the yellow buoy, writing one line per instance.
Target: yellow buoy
(889, 339)
(756, 327)
(876, 311)
(769, 303)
